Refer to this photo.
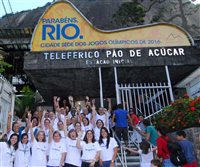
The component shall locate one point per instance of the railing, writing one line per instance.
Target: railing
(121, 158)
(147, 99)
(7, 99)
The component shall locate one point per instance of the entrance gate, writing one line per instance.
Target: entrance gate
(147, 99)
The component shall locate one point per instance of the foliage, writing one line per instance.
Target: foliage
(129, 14)
(27, 100)
(182, 113)
(3, 64)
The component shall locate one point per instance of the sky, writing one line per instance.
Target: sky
(20, 5)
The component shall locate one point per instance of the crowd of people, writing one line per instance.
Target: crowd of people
(81, 136)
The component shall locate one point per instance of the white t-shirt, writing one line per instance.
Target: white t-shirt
(86, 128)
(145, 158)
(38, 158)
(29, 132)
(10, 133)
(88, 115)
(46, 132)
(103, 118)
(22, 156)
(73, 153)
(107, 153)
(63, 137)
(89, 150)
(96, 133)
(7, 155)
(55, 153)
(70, 127)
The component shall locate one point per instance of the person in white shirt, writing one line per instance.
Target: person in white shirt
(15, 129)
(73, 155)
(73, 121)
(102, 114)
(56, 150)
(109, 148)
(62, 129)
(34, 121)
(22, 156)
(7, 150)
(79, 130)
(86, 125)
(86, 113)
(90, 150)
(145, 153)
(97, 127)
(39, 148)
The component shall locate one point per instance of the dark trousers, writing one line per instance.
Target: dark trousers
(87, 164)
(122, 132)
(69, 165)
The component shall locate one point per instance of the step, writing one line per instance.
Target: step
(132, 164)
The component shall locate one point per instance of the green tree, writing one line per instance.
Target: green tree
(129, 14)
(3, 64)
(27, 100)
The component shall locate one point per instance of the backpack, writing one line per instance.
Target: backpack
(177, 155)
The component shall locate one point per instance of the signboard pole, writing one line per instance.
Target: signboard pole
(116, 85)
(169, 83)
(101, 88)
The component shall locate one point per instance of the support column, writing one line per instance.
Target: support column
(101, 88)
(169, 83)
(116, 86)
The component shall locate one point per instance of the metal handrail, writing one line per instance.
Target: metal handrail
(122, 158)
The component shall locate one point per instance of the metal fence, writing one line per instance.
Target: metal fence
(7, 98)
(146, 98)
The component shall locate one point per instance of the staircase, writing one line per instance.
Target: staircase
(127, 160)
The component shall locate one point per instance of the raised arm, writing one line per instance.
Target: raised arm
(94, 112)
(42, 120)
(9, 122)
(56, 102)
(65, 127)
(50, 133)
(106, 119)
(30, 127)
(109, 104)
(78, 141)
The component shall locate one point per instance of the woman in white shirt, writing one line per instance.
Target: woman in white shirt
(73, 156)
(79, 130)
(56, 152)
(90, 150)
(7, 151)
(145, 153)
(22, 157)
(108, 148)
(86, 124)
(39, 149)
(97, 128)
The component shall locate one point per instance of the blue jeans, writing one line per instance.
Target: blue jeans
(167, 163)
(106, 164)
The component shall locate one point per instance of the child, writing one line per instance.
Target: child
(187, 148)
(145, 153)
(156, 163)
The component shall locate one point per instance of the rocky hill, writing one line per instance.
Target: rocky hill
(101, 14)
